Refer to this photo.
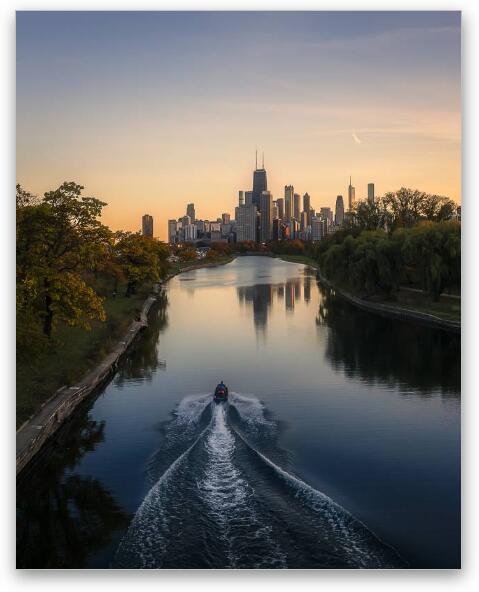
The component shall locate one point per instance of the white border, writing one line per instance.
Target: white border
(195, 581)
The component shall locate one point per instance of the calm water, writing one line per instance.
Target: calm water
(339, 447)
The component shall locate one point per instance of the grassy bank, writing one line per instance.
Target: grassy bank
(299, 259)
(73, 352)
(447, 308)
(182, 266)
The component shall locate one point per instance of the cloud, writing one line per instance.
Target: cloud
(355, 138)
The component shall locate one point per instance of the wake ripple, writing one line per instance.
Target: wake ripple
(224, 503)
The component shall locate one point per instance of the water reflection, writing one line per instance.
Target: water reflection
(144, 360)
(385, 351)
(260, 297)
(62, 518)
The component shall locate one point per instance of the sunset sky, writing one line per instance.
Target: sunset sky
(151, 111)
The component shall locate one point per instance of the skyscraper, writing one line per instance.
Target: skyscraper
(225, 218)
(288, 202)
(190, 232)
(245, 223)
(172, 230)
(351, 196)
(147, 225)
(327, 214)
(275, 210)
(266, 210)
(371, 193)
(280, 204)
(306, 202)
(241, 198)
(190, 211)
(318, 228)
(296, 206)
(339, 213)
(260, 182)
(304, 220)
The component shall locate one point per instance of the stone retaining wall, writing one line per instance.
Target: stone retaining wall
(33, 434)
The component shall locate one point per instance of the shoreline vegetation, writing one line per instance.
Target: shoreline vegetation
(80, 286)
(54, 407)
(411, 303)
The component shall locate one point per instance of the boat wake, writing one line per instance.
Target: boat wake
(223, 501)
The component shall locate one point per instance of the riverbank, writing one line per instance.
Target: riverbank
(411, 305)
(51, 412)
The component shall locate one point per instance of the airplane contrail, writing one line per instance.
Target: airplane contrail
(355, 138)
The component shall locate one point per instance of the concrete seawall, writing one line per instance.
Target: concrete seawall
(403, 314)
(33, 434)
(40, 428)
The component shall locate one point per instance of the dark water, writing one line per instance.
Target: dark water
(339, 447)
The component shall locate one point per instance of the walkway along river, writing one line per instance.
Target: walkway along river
(340, 446)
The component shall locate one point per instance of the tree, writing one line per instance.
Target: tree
(434, 251)
(57, 239)
(406, 207)
(371, 216)
(140, 259)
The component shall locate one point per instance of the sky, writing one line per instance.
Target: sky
(153, 110)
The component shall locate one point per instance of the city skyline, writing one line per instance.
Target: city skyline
(160, 112)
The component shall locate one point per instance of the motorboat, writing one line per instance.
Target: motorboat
(221, 393)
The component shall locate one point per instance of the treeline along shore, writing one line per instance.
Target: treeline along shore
(80, 285)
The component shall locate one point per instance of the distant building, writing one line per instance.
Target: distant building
(147, 225)
(248, 198)
(371, 193)
(190, 211)
(185, 220)
(172, 231)
(339, 212)
(260, 183)
(296, 206)
(293, 225)
(275, 210)
(266, 210)
(241, 198)
(288, 202)
(327, 214)
(351, 196)
(225, 218)
(306, 202)
(280, 206)
(189, 232)
(245, 223)
(277, 230)
(225, 230)
(318, 228)
(304, 220)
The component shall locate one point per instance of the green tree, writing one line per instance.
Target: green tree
(140, 259)
(434, 251)
(58, 238)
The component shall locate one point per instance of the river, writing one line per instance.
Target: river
(339, 446)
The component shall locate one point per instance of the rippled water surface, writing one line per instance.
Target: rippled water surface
(339, 446)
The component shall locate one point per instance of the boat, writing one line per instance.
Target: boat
(221, 393)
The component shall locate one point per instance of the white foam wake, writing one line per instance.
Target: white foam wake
(228, 497)
(252, 412)
(353, 534)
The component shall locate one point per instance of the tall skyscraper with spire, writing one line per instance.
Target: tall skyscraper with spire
(260, 182)
(351, 196)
